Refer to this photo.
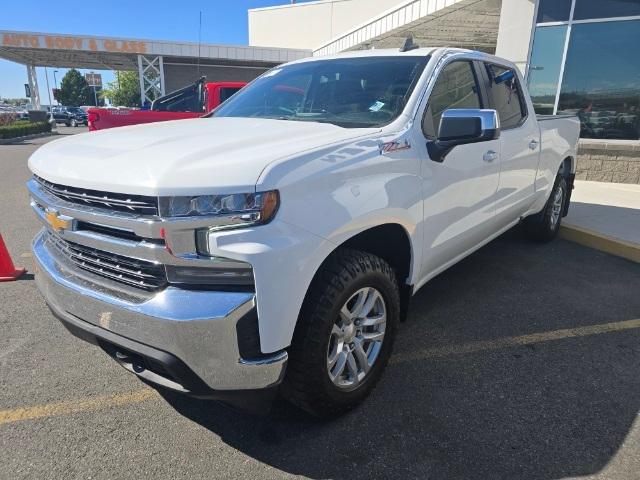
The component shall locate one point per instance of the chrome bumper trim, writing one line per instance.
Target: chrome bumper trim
(198, 327)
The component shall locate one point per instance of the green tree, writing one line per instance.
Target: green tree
(74, 90)
(125, 91)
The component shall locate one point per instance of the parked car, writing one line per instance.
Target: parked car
(277, 242)
(70, 116)
(190, 102)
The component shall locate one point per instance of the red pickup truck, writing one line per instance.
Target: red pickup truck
(189, 102)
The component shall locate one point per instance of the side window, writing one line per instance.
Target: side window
(188, 99)
(227, 92)
(506, 96)
(455, 87)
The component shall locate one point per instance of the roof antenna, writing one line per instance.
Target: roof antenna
(409, 45)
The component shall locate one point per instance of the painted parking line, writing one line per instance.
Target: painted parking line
(78, 405)
(507, 342)
(147, 394)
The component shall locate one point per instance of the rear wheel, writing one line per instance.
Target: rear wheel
(344, 335)
(545, 225)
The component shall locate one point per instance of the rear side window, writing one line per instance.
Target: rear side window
(227, 92)
(455, 87)
(188, 99)
(506, 96)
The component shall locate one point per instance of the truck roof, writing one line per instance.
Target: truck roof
(382, 52)
(396, 52)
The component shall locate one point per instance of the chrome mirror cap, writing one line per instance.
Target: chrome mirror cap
(461, 127)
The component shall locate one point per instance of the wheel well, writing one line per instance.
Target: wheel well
(567, 171)
(390, 242)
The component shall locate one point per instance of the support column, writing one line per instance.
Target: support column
(151, 73)
(33, 86)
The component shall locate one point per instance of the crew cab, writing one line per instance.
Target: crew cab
(189, 102)
(70, 116)
(276, 243)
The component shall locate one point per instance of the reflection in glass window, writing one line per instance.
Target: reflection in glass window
(588, 9)
(554, 10)
(544, 68)
(455, 88)
(348, 92)
(602, 79)
(506, 96)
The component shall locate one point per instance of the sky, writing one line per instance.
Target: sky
(223, 21)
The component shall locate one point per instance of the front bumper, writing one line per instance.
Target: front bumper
(185, 340)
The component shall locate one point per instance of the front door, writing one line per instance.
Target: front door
(459, 193)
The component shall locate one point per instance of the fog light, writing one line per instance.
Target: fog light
(222, 271)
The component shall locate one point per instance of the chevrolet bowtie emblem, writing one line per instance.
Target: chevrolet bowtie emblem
(57, 221)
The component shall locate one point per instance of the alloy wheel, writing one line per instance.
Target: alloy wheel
(356, 338)
(556, 207)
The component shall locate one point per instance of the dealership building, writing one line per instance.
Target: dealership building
(578, 56)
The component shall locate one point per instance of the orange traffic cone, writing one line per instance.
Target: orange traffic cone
(7, 270)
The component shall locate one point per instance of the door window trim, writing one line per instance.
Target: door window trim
(482, 94)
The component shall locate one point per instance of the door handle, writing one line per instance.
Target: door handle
(533, 144)
(490, 156)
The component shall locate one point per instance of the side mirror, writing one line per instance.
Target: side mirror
(463, 126)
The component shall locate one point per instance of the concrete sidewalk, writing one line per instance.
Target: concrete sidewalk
(605, 216)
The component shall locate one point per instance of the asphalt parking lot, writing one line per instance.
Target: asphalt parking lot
(521, 362)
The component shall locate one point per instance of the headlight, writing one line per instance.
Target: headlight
(227, 211)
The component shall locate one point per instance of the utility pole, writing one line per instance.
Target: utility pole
(46, 76)
(199, 41)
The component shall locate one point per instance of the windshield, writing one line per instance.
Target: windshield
(75, 110)
(348, 92)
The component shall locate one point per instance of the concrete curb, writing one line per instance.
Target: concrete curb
(598, 241)
(8, 141)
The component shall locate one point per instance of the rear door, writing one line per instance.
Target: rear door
(519, 141)
(460, 192)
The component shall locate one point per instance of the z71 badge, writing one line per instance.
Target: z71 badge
(394, 146)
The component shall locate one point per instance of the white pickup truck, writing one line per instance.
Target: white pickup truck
(275, 245)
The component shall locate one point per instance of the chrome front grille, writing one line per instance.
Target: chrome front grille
(141, 204)
(130, 271)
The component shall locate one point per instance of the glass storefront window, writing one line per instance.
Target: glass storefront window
(601, 81)
(554, 10)
(544, 69)
(589, 9)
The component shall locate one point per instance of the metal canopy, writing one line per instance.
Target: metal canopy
(469, 24)
(147, 56)
(91, 52)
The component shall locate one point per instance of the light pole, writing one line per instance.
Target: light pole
(55, 82)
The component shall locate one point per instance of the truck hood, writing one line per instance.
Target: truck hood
(184, 157)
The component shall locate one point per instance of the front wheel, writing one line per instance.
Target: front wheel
(74, 123)
(545, 225)
(344, 335)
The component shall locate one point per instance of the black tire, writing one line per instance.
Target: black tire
(307, 383)
(542, 227)
(74, 123)
(67, 123)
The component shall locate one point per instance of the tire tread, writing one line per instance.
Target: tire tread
(344, 266)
